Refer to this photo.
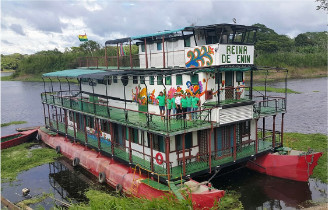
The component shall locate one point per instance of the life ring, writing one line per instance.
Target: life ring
(58, 149)
(76, 162)
(119, 188)
(159, 158)
(102, 177)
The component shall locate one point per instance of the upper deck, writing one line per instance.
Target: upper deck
(188, 47)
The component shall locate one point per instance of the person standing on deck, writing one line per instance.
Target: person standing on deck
(189, 105)
(161, 103)
(168, 106)
(184, 105)
(178, 105)
(195, 104)
(174, 110)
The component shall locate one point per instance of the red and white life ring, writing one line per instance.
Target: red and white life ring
(159, 158)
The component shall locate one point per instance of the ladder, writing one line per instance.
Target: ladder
(175, 190)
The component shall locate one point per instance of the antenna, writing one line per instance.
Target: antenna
(234, 20)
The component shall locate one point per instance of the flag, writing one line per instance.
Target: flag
(122, 51)
(83, 38)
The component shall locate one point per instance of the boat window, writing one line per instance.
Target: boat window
(239, 76)
(159, 46)
(168, 80)
(211, 37)
(188, 141)
(105, 126)
(194, 79)
(142, 48)
(101, 81)
(85, 80)
(218, 78)
(114, 79)
(250, 37)
(158, 143)
(239, 37)
(245, 128)
(159, 80)
(179, 79)
(90, 122)
(134, 135)
(142, 79)
(187, 42)
(151, 80)
(135, 79)
(109, 80)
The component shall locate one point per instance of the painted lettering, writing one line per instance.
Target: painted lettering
(228, 49)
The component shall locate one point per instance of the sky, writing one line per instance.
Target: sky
(29, 26)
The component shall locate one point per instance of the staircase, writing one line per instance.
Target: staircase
(175, 190)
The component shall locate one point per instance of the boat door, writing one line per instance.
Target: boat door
(229, 85)
(202, 142)
(224, 140)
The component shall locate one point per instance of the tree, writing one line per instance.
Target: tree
(323, 5)
(303, 40)
(90, 46)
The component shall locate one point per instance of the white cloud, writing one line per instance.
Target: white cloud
(31, 26)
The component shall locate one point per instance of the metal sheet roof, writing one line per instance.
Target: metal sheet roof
(72, 73)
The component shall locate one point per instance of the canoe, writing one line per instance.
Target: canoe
(17, 138)
(295, 165)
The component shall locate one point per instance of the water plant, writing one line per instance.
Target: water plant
(21, 158)
(13, 123)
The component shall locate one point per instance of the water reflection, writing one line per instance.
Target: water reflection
(259, 191)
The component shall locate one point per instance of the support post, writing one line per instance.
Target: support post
(56, 118)
(106, 59)
(251, 87)
(85, 130)
(256, 137)
(130, 148)
(263, 132)
(131, 64)
(44, 114)
(282, 129)
(146, 56)
(163, 52)
(74, 126)
(151, 152)
(112, 137)
(210, 148)
(167, 153)
(118, 57)
(234, 143)
(66, 122)
(274, 132)
(183, 154)
(98, 133)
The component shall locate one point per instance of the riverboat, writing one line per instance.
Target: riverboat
(111, 124)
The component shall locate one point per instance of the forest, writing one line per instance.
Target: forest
(305, 51)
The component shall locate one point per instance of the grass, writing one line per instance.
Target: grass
(13, 123)
(25, 203)
(317, 142)
(276, 90)
(231, 201)
(20, 158)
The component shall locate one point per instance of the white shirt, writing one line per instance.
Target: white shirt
(178, 100)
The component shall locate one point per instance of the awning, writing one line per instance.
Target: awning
(73, 73)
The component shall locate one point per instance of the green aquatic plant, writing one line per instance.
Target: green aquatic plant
(230, 201)
(276, 90)
(317, 142)
(25, 203)
(21, 158)
(13, 123)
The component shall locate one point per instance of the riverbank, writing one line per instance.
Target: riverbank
(33, 78)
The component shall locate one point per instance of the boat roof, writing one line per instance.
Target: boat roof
(187, 29)
(101, 74)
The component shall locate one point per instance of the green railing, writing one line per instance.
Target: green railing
(136, 118)
(269, 106)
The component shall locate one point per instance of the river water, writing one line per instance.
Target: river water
(306, 113)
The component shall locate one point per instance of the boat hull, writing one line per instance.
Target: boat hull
(22, 137)
(294, 167)
(120, 175)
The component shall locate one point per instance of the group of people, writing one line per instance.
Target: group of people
(180, 104)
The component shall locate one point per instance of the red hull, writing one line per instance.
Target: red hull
(117, 173)
(294, 167)
(25, 136)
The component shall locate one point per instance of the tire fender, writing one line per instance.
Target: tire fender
(76, 162)
(102, 177)
(119, 188)
(58, 150)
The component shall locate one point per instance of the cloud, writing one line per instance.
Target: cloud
(61, 21)
(6, 42)
(17, 28)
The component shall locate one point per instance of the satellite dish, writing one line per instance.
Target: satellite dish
(234, 20)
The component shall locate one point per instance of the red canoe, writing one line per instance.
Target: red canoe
(296, 165)
(17, 138)
(123, 177)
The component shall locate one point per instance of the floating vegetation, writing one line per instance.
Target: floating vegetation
(21, 158)
(231, 201)
(276, 90)
(317, 142)
(38, 199)
(13, 123)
